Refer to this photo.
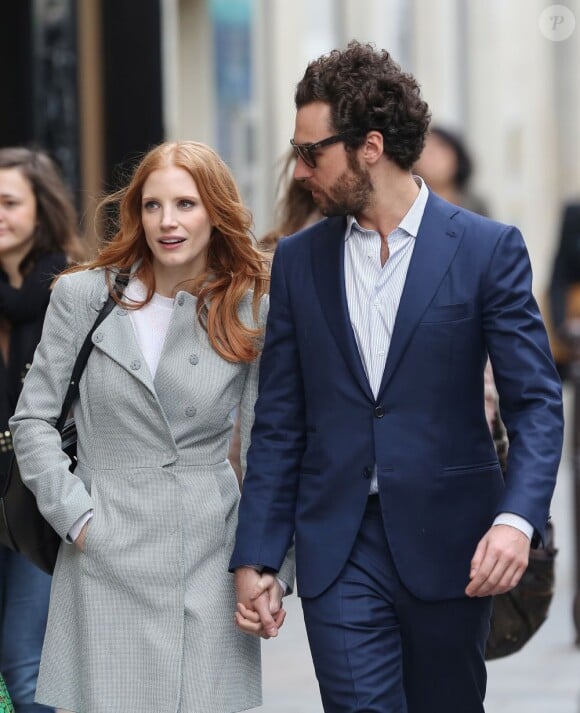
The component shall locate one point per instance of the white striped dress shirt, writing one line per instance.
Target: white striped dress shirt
(373, 291)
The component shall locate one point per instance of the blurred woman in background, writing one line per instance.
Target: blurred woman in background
(38, 227)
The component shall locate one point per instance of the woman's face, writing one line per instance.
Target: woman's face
(17, 214)
(176, 225)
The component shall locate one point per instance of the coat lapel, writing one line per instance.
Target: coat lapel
(115, 337)
(436, 244)
(328, 270)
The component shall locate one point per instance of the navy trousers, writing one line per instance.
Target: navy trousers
(378, 649)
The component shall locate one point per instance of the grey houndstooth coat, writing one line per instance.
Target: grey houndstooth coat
(142, 621)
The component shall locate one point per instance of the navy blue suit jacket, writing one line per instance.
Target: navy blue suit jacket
(319, 431)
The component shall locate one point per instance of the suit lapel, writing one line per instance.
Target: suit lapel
(436, 244)
(328, 270)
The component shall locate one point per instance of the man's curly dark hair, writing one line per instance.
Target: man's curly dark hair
(367, 90)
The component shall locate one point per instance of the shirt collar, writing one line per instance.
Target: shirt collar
(411, 220)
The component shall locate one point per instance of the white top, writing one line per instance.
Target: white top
(150, 323)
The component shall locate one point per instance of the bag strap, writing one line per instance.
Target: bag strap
(72, 393)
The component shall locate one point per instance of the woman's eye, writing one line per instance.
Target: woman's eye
(150, 205)
(186, 203)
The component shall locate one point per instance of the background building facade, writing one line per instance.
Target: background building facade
(96, 82)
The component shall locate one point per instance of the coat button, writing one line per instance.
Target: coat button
(135, 365)
(98, 337)
(367, 472)
(190, 411)
(194, 359)
(379, 412)
(181, 300)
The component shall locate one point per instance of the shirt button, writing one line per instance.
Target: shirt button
(379, 412)
(194, 359)
(98, 337)
(181, 300)
(190, 411)
(135, 365)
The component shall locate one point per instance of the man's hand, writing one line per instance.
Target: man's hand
(249, 621)
(499, 561)
(259, 597)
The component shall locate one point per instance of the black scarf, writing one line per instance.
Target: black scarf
(24, 309)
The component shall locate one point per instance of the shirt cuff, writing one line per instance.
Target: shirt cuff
(75, 530)
(520, 523)
(285, 586)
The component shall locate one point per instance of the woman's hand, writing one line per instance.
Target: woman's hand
(80, 541)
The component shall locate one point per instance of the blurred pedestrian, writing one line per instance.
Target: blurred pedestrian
(141, 608)
(294, 209)
(38, 226)
(564, 290)
(370, 442)
(446, 166)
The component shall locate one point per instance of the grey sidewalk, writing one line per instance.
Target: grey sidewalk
(543, 678)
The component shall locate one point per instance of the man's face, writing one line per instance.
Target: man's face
(340, 183)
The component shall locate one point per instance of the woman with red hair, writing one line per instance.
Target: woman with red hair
(142, 607)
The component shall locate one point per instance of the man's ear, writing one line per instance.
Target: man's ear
(372, 149)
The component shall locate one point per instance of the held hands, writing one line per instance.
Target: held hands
(259, 608)
(499, 561)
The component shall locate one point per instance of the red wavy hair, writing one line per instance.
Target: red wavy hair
(234, 265)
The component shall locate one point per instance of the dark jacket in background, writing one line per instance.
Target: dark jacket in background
(24, 309)
(566, 271)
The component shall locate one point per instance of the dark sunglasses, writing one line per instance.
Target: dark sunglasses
(306, 151)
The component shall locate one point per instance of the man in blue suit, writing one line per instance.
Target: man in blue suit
(370, 444)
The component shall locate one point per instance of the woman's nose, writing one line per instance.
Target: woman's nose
(168, 218)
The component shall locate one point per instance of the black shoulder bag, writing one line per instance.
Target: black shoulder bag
(22, 527)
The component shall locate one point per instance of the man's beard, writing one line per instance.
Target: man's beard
(350, 194)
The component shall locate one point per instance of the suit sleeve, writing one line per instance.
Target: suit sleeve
(528, 384)
(266, 517)
(61, 496)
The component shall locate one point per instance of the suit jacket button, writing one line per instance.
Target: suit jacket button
(193, 359)
(98, 337)
(190, 411)
(367, 472)
(379, 412)
(136, 365)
